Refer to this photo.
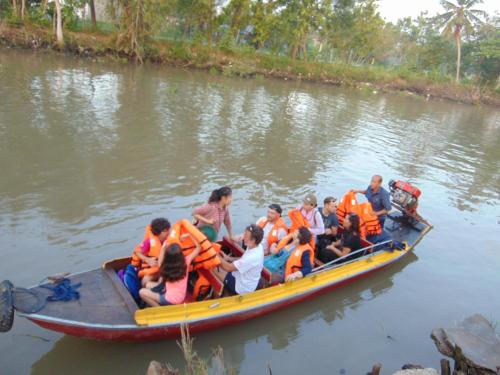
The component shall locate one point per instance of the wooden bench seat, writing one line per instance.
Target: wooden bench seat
(215, 282)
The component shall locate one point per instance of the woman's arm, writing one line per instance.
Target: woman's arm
(228, 224)
(200, 213)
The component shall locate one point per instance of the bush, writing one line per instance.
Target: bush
(179, 51)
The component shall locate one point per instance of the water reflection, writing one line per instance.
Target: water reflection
(91, 152)
(71, 353)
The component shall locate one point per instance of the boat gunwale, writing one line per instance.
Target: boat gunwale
(281, 300)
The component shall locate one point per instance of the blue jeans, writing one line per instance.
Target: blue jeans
(381, 220)
(377, 238)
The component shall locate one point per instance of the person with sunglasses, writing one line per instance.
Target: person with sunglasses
(242, 275)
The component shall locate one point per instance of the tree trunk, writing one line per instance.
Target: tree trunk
(294, 51)
(92, 13)
(23, 8)
(59, 31)
(209, 33)
(459, 54)
(14, 8)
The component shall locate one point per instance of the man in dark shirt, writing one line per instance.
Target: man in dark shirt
(329, 215)
(378, 197)
(380, 200)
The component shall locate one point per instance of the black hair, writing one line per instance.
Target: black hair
(217, 194)
(159, 225)
(355, 222)
(276, 207)
(304, 235)
(173, 267)
(256, 233)
(328, 200)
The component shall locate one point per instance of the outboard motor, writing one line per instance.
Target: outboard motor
(405, 195)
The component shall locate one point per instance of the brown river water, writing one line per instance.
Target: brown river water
(91, 152)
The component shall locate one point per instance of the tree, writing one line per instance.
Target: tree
(59, 31)
(458, 18)
(138, 21)
(92, 13)
(297, 19)
(237, 14)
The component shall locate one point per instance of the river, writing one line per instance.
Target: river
(91, 152)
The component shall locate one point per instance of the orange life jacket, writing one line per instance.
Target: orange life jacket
(273, 234)
(369, 222)
(294, 262)
(154, 248)
(299, 221)
(201, 286)
(347, 205)
(207, 258)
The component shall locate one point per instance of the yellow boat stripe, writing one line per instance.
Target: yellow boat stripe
(198, 311)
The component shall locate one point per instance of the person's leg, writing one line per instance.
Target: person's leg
(230, 283)
(381, 220)
(150, 297)
(146, 279)
(378, 238)
(152, 284)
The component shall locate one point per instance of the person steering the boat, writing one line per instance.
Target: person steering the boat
(348, 243)
(210, 216)
(379, 198)
(273, 226)
(242, 275)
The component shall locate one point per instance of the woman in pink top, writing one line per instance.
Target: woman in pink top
(215, 212)
(174, 272)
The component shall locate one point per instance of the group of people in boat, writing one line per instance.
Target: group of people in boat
(167, 255)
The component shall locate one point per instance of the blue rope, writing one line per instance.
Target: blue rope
(63, 291)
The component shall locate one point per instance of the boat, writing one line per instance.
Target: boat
(107, 311)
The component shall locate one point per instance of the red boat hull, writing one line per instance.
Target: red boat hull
(138, 333)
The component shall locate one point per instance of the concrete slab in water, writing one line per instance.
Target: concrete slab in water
(473, 343)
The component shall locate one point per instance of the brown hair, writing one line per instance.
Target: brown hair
(256, 233)
(174, 266)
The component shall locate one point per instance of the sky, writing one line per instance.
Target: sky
(392, 10)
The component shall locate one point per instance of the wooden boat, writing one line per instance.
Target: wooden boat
(106, 310)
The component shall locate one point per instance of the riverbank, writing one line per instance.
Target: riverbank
(248, 64)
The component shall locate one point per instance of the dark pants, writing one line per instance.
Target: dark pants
(381, 220)
(230, 283)
(384, 236)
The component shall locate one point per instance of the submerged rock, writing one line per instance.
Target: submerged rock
(473, 344)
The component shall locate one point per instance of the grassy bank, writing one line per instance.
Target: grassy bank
(247, 63)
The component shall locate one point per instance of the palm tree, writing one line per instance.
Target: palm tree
(457, 18)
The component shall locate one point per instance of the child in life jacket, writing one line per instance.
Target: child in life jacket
(147, 252)
(174, 272)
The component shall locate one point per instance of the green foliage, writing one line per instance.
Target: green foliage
(5, 9)
(179, 51)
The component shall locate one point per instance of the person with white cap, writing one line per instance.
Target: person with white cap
(309, 211)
